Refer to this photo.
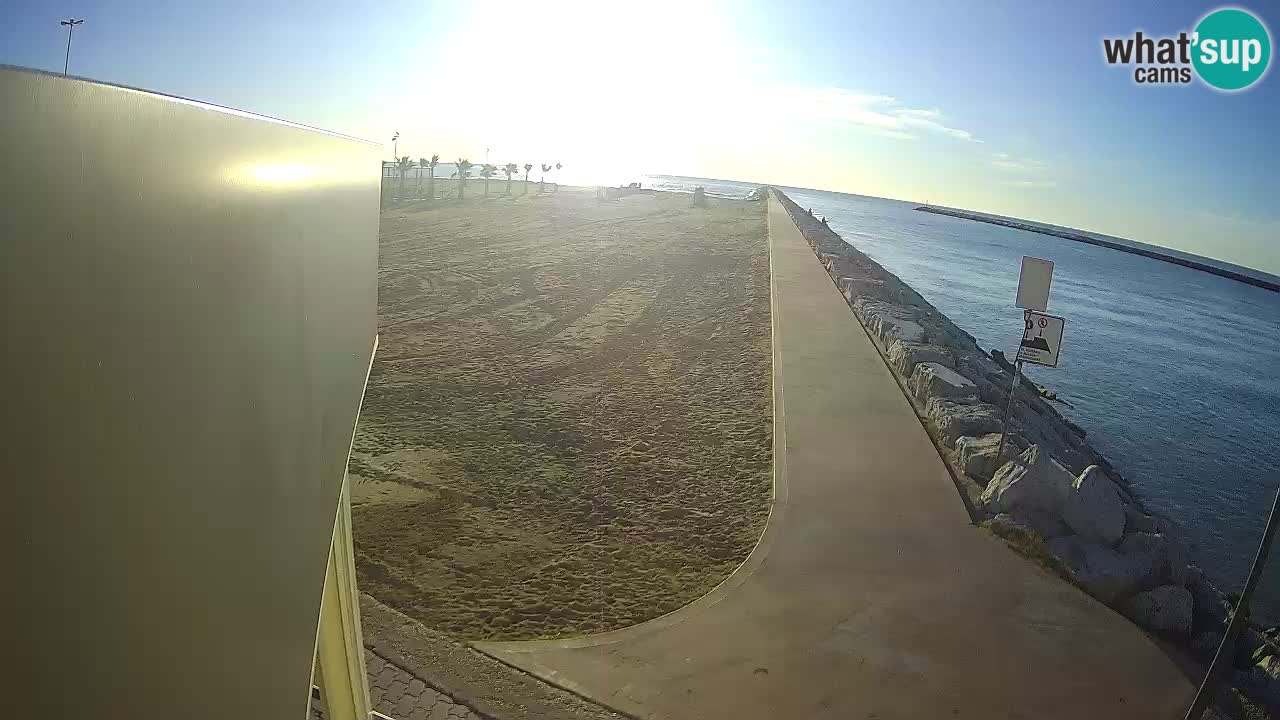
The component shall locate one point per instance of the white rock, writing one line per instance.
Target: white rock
(1032, 482)
(977, 455)
(877, 315)
(956, 417)
(1166, 608)
(908, 330)
(1103, 572)
(1168, 557)
(1045, 524)
(1093, 508)
(1136, 521)
(905, 355)
(1210, 603)
(931, 379)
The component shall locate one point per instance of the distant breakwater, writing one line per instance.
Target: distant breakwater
(1080, 237)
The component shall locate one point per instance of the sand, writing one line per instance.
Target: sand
(568, 425)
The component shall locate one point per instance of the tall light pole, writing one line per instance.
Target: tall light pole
(71, 24)
(395, 146)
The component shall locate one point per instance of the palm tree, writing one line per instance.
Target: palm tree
(431, 179)
(510, 169)
(402, 165)
(527, 168)
(487, 171)
(543, 180)
(417, 190)
(558, 166)
(464, 167)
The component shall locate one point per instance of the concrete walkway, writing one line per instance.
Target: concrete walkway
(870, 595)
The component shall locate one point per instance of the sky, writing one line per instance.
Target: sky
(1003, 107)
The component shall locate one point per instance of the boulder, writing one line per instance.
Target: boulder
(1166, 609)
(874, 313)
(1049, 433)
(1046, 525)
(931, 379)
(955, 417)
(1211, 606)
(1205, 644)
(887, 322)
(904, 355)
(1270, 666)
(1136, 521)
(1093, 508)
(979, 368)
(1168, 557)
(977, 455)
(855, 288)
(1111, 575)
(1032, 482)
(1247, 643)
(899, 329)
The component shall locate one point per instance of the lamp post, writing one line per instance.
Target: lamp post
(71, 24)
(395, 146)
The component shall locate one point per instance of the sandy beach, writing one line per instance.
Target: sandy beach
(567, 427)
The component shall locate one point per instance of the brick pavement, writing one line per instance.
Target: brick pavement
(396, 693)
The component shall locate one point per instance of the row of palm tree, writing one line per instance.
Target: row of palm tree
(487, 171)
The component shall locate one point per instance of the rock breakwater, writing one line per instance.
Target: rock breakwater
(1061, 500)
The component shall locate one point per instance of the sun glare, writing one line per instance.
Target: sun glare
(606, 88)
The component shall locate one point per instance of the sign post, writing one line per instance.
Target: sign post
(1041, 334)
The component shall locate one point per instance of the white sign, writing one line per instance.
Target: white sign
(1042, 339)
(1034, 282)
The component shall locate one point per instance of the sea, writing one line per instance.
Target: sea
(1173, 372)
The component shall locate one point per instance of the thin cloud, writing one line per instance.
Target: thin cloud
(881, 115)
(1005, 161)
(1035, 183)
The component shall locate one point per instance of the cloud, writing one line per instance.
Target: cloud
(1005, 161)
(881, 115)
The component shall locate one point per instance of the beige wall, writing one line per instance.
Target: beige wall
(190, 300)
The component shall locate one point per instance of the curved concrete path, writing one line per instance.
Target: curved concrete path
(870, 595)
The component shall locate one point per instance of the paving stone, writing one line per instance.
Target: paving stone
(440, 711)
(396, 690)
(419, 713)
(385, 677)
(430, 697)
(406, 705)
(375, 695)
(373, 664)
(416, 686)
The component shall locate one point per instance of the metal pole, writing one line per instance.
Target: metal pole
(71, 24)
(1223, 659)
(1008, 408)
(1008, 411)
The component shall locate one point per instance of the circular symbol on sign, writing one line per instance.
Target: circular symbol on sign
(1044, 322)
(1029, 324)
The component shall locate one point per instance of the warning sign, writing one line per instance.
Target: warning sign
(1042, 339)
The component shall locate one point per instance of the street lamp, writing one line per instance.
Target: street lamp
(395, 146)
(71, 24)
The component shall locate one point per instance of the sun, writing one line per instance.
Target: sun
(607, 88)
